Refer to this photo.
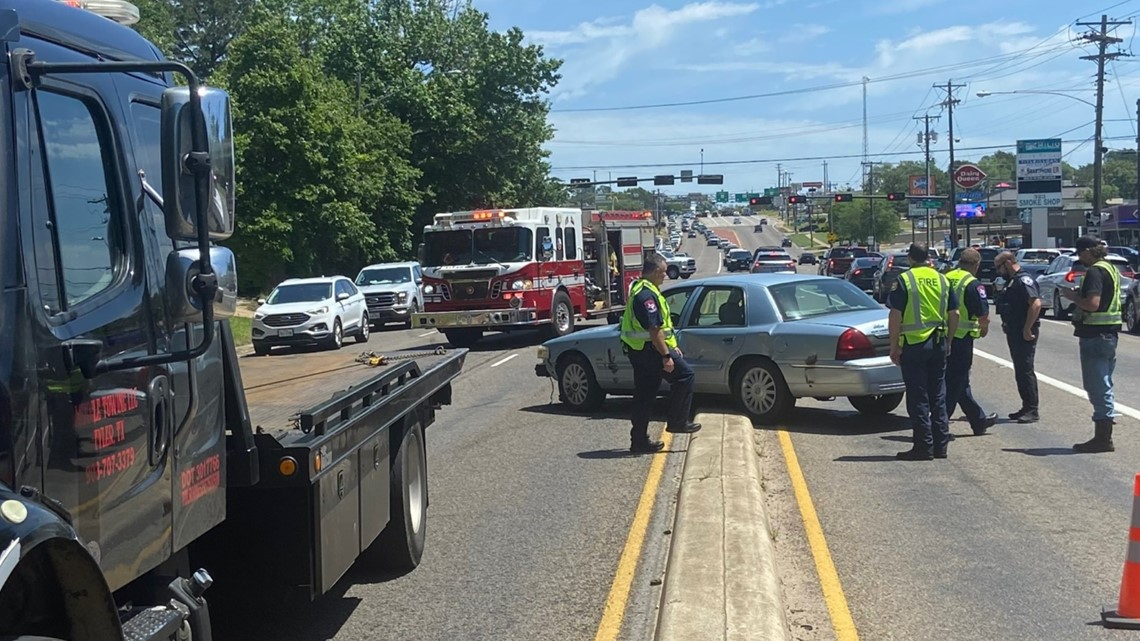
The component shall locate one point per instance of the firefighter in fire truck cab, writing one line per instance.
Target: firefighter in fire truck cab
(649, 341)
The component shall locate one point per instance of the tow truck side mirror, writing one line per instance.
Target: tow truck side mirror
(179, 202)
(182, 268)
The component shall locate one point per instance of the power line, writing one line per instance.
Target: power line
(775, 94)
(1102, 39)
(764, 161)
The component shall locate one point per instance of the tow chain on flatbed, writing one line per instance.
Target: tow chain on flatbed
(372, 359)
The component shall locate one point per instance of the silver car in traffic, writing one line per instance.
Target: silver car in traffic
(762, 339)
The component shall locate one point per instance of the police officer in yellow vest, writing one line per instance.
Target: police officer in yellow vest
(973, 323)
(647, 338)
(924, 315)
(1096, 324)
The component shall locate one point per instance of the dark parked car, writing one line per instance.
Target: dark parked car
(886, 273)
(861, 273)
(808, 258)
(738, 260)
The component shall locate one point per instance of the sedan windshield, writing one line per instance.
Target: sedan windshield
(1038, 257)
(385, 276)
(301, 293)
(817, 297)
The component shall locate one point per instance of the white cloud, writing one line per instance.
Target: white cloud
(804, 32)
(901, 6)
(613, 44)
(753, 46)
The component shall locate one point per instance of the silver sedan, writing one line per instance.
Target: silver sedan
(762, 339)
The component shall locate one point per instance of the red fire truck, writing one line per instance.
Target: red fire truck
(508, 269)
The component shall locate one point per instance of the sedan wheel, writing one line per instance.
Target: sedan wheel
(1131, 323)
(1059, 312)
(876, 405)
(761, 391)
(577, 385)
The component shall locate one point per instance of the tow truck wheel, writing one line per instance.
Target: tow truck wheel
(561, 315)
(400, 545)
(876, 405)
(365, 329)
(672, 272)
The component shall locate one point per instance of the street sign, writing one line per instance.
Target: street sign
(740, 198)
(917, 186)
(832, 237)
(968, 176)
(915, 210)
(971, 196)
(722, 196)
(772, 191)
(627, 181)
(686, 175)
(579, 181)
(709, 179)
(813, 185)
(1039, 173)
(665, 179)
(931, 203)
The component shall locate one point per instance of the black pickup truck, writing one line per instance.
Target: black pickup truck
(986, 271)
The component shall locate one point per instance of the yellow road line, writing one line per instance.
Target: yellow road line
(828, 578)
(610, 626)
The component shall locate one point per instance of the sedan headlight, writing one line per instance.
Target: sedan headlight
(543, 353)
(402, 297)
(429, 289)
(318, 311)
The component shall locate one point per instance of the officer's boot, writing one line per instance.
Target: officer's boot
(1101, 441)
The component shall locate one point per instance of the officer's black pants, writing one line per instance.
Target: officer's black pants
(1022, 353)
(958, 391)
(924, 371)
(648, 371)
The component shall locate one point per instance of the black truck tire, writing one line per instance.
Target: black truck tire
(400, 545)
(672, 272)
(463, 337)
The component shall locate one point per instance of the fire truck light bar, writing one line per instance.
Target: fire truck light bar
(487, 215)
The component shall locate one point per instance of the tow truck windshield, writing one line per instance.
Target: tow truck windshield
(478, 247)
(303, 293)
(385, 276)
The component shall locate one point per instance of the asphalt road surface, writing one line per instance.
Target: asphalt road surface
(530, 511)
(1013, 537)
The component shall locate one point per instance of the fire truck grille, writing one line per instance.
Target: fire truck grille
(468, 291)
(496, 289)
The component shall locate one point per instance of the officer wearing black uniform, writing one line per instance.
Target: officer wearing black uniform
(648, 339)
(1020, 310)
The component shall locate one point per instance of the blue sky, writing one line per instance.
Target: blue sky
(620, 53)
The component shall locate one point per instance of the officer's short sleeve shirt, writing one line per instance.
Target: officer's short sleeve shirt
(975, 300)
(646, 309)
(1018, 296)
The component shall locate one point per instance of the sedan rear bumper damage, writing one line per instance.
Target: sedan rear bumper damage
(860, 377)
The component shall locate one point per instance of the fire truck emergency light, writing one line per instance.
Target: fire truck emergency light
(487, 215)
(120, 11)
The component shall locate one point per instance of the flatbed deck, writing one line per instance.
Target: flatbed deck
(280, 386)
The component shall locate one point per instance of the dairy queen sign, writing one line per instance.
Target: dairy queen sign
(968, 176)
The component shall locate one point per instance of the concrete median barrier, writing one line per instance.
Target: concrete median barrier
(721, 580)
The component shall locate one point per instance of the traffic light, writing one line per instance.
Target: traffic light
(896, 196)
(753, 202)
(844, 198)
(796, 199)
(627, 181)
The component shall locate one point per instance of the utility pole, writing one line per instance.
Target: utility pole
(1102, 40)
(949, 104)
(924, 141)
(827, 190)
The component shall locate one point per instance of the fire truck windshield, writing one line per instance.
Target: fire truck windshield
(478, 247)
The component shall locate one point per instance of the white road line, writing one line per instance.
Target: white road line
(1061, 385)
(504, 360)
(427, 334)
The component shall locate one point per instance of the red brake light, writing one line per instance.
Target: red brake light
(1071, 277)
(858, 271)
(853, 344)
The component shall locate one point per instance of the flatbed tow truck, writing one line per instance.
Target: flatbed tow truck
(141, 460)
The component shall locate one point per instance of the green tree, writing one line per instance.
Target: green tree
(195, 32)
(853, 220)
(324, 190)
(999, 166)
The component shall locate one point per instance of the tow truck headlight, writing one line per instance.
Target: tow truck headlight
(318, 311)
(429, 289)
(402, 297)
(520, 284)
(543, 353)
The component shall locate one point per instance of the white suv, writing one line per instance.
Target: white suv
(310, 311)
(392, 291)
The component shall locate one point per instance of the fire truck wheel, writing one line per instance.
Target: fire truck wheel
(463, 337)
(672, 272)
(561, 315)
(613, 318)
